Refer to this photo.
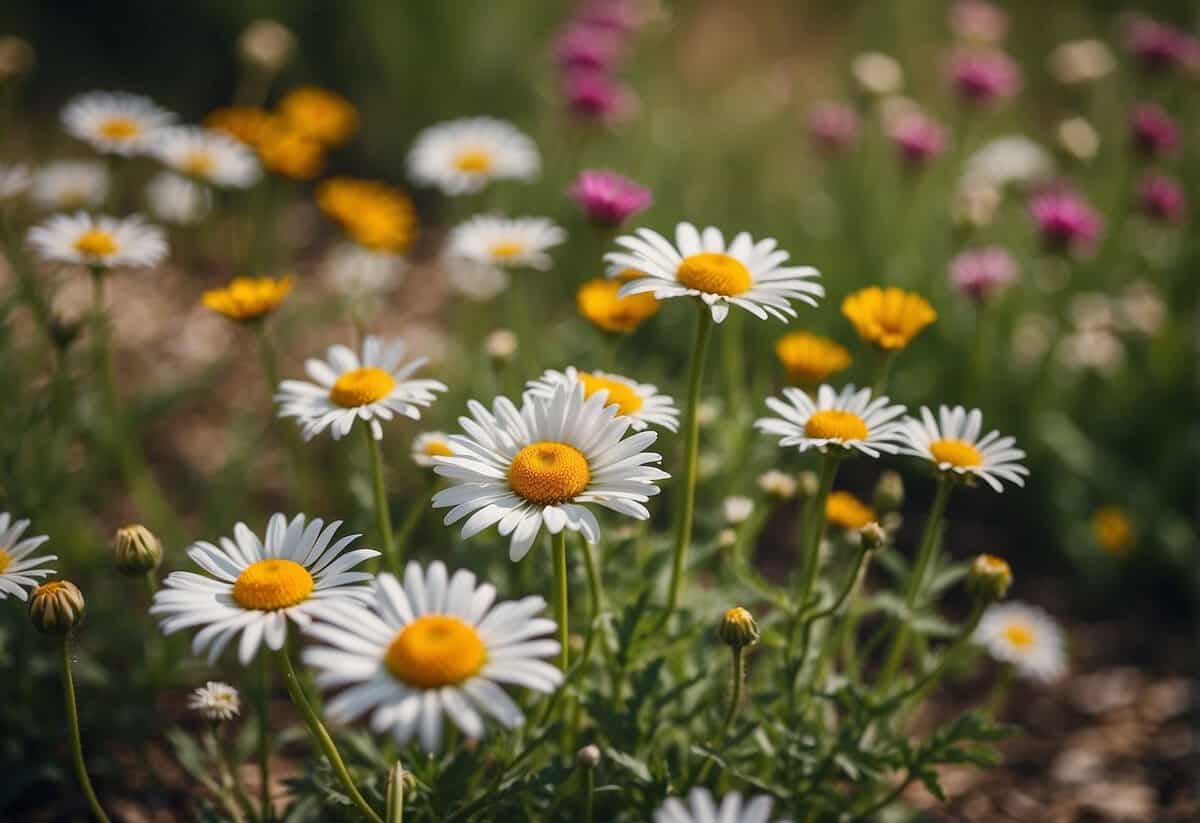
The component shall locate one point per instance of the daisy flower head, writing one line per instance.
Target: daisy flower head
(378, 216)
(208, 156)
(215, 700)
(319, 114)
(849, 420)
(543, 463)
(115, 122)
(600, 302)
(246, 124)
(701, 807)
(15, 180)
(810, 358)
(19, 571)
(248, 298)
(746, 273)
(98, 241)
(506, 241)
(435, 645)
(174, 198)
(372, 385)
(356, 271)
(253, 587)
(640, 402)
(70, 184)
(887, 318)
(290, 153)
(1026, 637)
(463, 156)
(846, 511)
(952, 443)
(428, 445)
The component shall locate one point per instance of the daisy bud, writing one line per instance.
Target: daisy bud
(500, 345)
(16, 57)
(136, 550)
(56, 607)
(726, 538)
(873, 536)
(588, 757)
(807, 484)
(267, 44)
(777, 484)
(738, 629)
(737, 509)
(889, 492)
(877, 74)
(989, 578)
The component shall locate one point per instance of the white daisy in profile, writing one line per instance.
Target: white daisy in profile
(428, 445)
(463, 156)
(215, 701)
(640, 402)
(951, 442)
(746, 273)
(1026, 637)
(115, 122)
(505, 241)
(349, 386)
(436, 645)
(210, 156)
(543, 463)
(98, 240)
(19, 571)
(253, 587)
(848, 420)
(173, 198)
(15, 180)
(70, 184)
(701, 807)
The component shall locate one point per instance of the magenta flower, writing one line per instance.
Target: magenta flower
(981, 273)
(1065, 220)
(608, 198)
(984, 77)
(1154, 131)
(596, 95)
(977, 21)
(1161, 47)
(1161, 198)
(918, 137)
(834, 126)
(582, 46)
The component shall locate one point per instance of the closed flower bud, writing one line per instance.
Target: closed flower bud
(588, 757)
(989, 578)
(267, 44)
(807, 484)
(889, 492)
(873, 536)
(738, 629)
(136, 550)
(56, 607)
(500, 345)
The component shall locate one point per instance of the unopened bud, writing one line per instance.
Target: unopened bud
(56, 607)
(777, 484)
(136, 550)
(738, 629)
(989, 578)
(889, 492)
(267, 44)
(737, 509)
(588, 757)
(500, 345)
(873, 536)
(807, 484)
(726, 538)
(16, 57)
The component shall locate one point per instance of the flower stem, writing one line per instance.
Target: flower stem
(263, 697)
(321, 735)
(683, 534)
(812, 529)
(735, 700)
(383, 515)
(589, 795)
(395, 795)
(560, 597)
(85, 782)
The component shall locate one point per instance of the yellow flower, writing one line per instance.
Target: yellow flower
(247, 124)
(320, 114)
(376, 215)
(288, 152)
(1113, 530)
(597, 301)
(248, 298)
(810, 358)
(847, 511)
(888, 318)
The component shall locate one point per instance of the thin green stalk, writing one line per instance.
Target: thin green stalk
(383, 515)
(883, 372)
(150, 580)
(919, 689)
(852, 580)
(233, 796)
(589, 795)
(321, 735)
(263, 697)
(999, 691)
(560, 597)
(395, 795)
(81, 773)
(596, 597)
(735, 700)
(812, 529)
(691, 441)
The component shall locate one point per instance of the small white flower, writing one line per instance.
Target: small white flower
(1026, 637)
(209, 156)
(173, 198)
(850, 419)
(877, 73)
(1010, 160)
(726, 538)
(115, 122)
(215, 700)
(463, 156)
(500, 344)
(428, 445)
(347, 387)
(701, 807)
(504, 241)
(356, 271)
(98, 241)
(70, 184)
(15, 180)
(475, 281)
(951, 442)
(19, 571)
(640, 402)
(737, 509)
(777, 483)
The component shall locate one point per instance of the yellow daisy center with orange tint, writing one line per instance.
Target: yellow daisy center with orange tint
(5, 560)
(437, 448)
(958, 453)
(620, 394)
(598, 301)
(473, 161)
(1019, 635)
(272, 584)
(847, 511)
(715, 273)
(362, 386)
(96, 242)
(835, 424)
(120, 128)
(548, 473)
(198, 163)
(434, 651)
(507, 250)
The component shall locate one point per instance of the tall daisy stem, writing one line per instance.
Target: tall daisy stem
(812, 529)
(383, 515)
(85, 782)
(691, 435)
(735, 700)
(560, 597)
(321, 735)
(263, 698)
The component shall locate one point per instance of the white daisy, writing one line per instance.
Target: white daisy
(348, 387)
(211, 156)
(952, 443)
(435, 645)
(115, 122)
(479, 282)
(701, 807)
(70, 184)
(541, 463)
(504, 241)
(356, 271)
(215, 700)
(746, 273)
(850, 419)
(297, 572)
(640, 402)
(19, 571)
(428, 445)
(176, 199)
(463, 156)
(102, 241)
(1024, 636)
(15, 180)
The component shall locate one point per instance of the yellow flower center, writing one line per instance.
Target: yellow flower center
(597, 300)
(810, 358)
(620, 394)
(50, 587)
(714, 273)
(438, 448)
(198, 163)
(549, 473)
(272, 584)
(956, 452)
(474, 161)
(1112, 529)
(847, 511)
(835, 424)
(507, 250)
(361, 386)
(5, 560)
(434, 651)
(1019, 635)
(96, 242)
(120, 128)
